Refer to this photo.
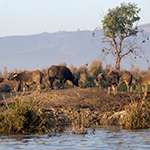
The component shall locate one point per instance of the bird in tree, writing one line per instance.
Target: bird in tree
(117, 25)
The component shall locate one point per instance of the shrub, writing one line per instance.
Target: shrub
(87, 82)
(122, 87)
(23, 117)
(103, 84)
(138, 115)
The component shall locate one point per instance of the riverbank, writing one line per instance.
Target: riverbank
(91, 105)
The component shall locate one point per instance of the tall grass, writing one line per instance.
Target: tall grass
(138, 115)
(79, 122)
(22, 117)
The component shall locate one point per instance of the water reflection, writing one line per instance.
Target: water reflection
(102, 139)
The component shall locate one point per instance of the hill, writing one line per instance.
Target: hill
(42, 50)
(62, 105)
(39, 51)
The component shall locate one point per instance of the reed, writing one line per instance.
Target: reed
(138, 115)
(24, 117)
(79, 122)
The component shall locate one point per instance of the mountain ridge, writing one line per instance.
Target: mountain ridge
(40, 51)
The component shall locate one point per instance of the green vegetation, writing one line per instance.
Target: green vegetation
(120, 20)
(87, 75)
(25, 118)
(79, 123)
(138, 115)
(119, 24)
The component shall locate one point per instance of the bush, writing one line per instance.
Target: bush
(88, 82)
(103, 84)
(138, 115)
(22, 117)
(122, 87)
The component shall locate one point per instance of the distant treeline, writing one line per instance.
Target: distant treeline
(88, 73)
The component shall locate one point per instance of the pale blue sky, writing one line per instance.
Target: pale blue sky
(26, 17)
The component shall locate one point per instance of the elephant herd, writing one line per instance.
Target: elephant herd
(27, 78)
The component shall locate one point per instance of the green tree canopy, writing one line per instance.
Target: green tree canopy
(117, 25)
(120, 21)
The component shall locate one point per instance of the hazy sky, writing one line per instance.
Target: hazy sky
(26, 17)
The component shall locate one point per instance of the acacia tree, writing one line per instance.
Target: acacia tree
(117, 25)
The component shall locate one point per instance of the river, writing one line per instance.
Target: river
(102, 138)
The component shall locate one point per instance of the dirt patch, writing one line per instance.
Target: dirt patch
(95, 100)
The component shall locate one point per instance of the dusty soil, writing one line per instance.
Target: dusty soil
(91, 99)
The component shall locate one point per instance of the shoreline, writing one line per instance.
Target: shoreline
(91, 105)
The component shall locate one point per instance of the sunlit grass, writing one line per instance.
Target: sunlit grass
(138, 115)
(24, 117)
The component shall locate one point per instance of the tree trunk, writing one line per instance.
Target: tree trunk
(117, 55)
(118, 63)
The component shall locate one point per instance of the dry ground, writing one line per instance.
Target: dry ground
(93, 98)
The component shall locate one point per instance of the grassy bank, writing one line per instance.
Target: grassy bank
(22, 117)
(138, 115)
(43, 113)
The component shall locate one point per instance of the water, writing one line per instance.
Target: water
(102, 139)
